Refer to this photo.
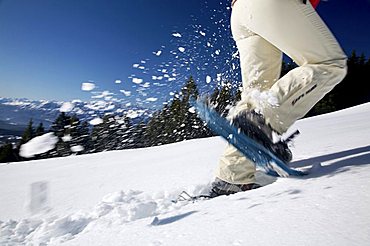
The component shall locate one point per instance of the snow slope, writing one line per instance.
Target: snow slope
(124, 197)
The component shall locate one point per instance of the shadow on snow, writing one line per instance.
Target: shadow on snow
(172, 219)
(354, 157)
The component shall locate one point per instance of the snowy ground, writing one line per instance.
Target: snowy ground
(124, 197)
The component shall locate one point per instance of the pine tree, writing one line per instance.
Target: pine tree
(59, 128)
(224, 99)
(60, 124)
(176, 121)
(7, 153)
(40, 130)
(125, 136)
(137, 136)
(83, 137)
(113, 134)
(28, 134)
(65, 127)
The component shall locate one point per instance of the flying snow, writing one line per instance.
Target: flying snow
(219, 77)
(38, 145)
(77, 148)
(158, 53)
(208, 79)
(103, 94)
(126, 93)
(177, 35)
(87, 86)
(192, 110)
(137, 80)
(157, 77)
(182, 49)
(67, 138)
(197, 50)
(151, 99)
(146, 85)
(96, 121)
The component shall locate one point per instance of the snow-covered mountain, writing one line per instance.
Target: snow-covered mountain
(124, 197)
(16, 113)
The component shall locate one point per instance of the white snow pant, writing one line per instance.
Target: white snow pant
(263, 30)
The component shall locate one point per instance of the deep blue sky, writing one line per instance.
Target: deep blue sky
(49, 47)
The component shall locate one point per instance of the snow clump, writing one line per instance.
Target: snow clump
(38, 145)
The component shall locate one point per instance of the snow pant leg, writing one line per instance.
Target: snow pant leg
(260, 63)
(298, 31)
(261, 67)
(235, 168)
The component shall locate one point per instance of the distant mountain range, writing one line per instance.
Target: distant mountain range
(15, 114)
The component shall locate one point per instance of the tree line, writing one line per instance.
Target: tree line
(176, 121)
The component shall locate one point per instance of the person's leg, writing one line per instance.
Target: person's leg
(260, 66)
(298, 31)
(235, 168)
(260, 62)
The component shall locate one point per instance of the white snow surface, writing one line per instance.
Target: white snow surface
(124, 197)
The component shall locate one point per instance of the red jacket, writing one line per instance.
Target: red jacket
(314, 3)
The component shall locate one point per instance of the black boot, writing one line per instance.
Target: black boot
(223, 188)
(254, 126)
